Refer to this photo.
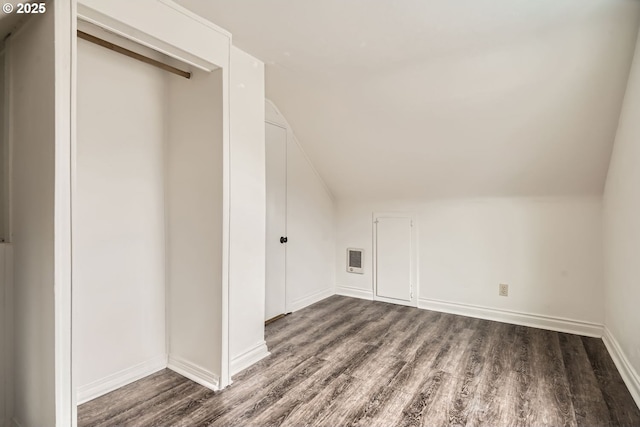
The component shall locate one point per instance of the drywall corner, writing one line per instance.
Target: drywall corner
(621, 231)
(627, 371)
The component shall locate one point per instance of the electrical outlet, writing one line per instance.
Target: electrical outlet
(504, 290)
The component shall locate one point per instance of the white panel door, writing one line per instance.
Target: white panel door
(393, 258)
(276, 153)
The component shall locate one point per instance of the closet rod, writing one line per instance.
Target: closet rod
(134, 55)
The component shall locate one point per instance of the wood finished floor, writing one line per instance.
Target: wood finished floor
(350, 362)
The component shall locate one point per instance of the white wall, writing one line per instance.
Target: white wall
(194, 189)
(119, 246)
(248, 198)
(310, 231)
(31, 59)
(547, 250)
(622, 236)
(310, 273)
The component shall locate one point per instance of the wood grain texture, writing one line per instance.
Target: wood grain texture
(350, 362)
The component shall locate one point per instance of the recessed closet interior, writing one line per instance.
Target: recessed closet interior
(147, 224)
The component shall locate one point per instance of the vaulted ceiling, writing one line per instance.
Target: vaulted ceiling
(421, 99)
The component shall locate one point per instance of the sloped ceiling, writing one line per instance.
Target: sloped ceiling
(413, 99)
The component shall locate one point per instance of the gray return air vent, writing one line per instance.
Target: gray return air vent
(354, 260)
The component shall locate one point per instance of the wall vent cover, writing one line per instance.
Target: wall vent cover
(354, 260)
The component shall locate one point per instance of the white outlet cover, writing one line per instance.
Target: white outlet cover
(503, 290)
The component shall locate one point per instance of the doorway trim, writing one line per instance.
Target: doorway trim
(66, 19)
(413, 262)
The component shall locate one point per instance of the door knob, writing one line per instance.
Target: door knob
(283, 240)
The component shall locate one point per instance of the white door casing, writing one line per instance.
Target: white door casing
(276, 171)
(394, 274)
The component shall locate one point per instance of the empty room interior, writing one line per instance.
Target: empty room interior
(319, 213)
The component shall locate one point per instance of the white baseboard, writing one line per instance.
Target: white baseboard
(194, 372)
(120, 379)
(348, 291)
(627, 372)
(249, 357)
(524, 319)
(310, 299)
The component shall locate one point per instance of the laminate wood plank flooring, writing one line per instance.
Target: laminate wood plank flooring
(351, 362)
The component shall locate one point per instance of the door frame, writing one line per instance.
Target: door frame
(413, 262)
(66, 19)
(286, 202)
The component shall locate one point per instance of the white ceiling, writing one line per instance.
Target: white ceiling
(444, 98)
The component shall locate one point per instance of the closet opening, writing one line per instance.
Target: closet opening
(147, 218)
